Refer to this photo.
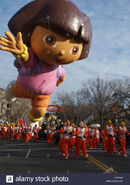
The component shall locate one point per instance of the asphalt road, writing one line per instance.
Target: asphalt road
(39, 157)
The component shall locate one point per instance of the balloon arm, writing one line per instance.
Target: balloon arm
(25, 59)
(15, 46)
(60, 80)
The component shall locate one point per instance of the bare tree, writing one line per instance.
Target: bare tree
(96, 99)
(121, 91)
(98, 93)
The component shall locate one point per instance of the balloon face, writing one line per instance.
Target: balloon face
(59, 16)
(54, 48)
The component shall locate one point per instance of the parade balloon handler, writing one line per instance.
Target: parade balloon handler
(46, 35)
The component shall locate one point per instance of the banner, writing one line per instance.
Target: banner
(65, 179)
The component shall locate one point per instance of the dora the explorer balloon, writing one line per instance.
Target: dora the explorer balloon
(49, 34)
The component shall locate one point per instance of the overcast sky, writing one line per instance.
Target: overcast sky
(109, 55)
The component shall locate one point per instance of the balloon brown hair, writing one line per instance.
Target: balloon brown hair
(60, 16)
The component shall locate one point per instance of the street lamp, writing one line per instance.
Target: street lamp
(114, 108)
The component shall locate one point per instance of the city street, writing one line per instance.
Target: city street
(39, 157)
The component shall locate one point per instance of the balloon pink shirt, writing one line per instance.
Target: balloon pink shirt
(37, 76)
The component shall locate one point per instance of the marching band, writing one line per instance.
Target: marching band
(70, 136)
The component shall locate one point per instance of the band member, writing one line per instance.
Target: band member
(96, 139)
(92, 135)
(16, 132)
(73, 139)
(61, 141)
(50, 130)
(23, 132)
(110, 133)
(28, 133)
(3, 132)
(7, 131)
(35, 131)
(103, 139)
(87, 138)
(12, 132)
(67, 136)
(122, 130)
(81, 135)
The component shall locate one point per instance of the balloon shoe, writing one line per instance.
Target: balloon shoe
(28, 121)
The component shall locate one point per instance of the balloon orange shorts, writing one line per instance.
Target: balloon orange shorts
(37, 100)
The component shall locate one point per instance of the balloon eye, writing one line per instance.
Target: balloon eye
(50, 40)
(75, 50)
